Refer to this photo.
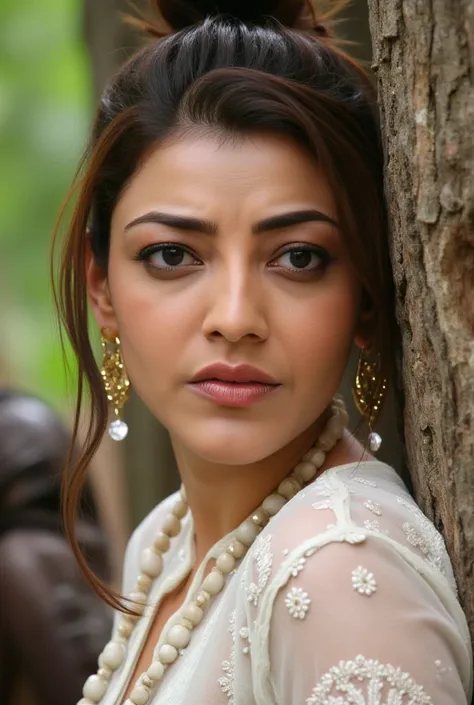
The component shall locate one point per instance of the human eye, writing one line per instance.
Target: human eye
(167, 258)
(302, 260)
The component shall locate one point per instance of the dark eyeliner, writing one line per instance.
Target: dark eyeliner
(158, 247)
(322, 253)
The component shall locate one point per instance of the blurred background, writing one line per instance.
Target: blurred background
(45, 106)
(55, 57)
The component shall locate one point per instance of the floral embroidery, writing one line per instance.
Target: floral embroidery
(442, 670)
(363, 582)
(415, 538)
(298, 567)
(322, 504)
(298, 602)
(373, 507)
(263, 559)
(367, 681)
(326, 491)
(244, 634)
(372, 525)
(227, 681)
(425, 537)
(364, 481)
(323, 486)
(253, 594)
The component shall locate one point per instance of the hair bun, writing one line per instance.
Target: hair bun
(297, 14)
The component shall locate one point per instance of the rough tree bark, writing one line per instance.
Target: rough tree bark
(423, 53)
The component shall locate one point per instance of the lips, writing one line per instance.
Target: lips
(229, 386)
(241, 374)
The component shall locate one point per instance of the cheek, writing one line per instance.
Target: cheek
(320, 332)
(151, 335)
(151, 323)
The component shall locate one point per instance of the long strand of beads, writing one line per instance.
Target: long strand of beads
(191, 615)
(151, 566)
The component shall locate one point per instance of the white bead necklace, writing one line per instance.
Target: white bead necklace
(151, 566)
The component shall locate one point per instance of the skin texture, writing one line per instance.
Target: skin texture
(236, 298)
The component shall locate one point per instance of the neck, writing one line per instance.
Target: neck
(221, 496)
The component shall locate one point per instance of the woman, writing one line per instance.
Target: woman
(52, 626)
(236, 248)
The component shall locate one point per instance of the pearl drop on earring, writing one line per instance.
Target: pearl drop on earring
(375, 441)
(118, 430)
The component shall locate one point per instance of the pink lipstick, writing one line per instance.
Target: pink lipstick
(237, 386)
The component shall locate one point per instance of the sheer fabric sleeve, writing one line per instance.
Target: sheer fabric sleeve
(352, 622)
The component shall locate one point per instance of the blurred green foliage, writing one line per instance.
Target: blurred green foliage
(44, 114)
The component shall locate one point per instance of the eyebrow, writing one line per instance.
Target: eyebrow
(276, 222)
(287, 220)
(180, 222)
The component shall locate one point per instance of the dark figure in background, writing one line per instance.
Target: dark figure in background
(52, 626)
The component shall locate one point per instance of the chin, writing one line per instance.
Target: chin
(230, 443)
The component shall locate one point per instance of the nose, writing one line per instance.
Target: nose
(236, 310)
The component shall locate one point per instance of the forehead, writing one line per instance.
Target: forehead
(202, 172)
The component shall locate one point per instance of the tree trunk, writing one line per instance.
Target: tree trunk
(424, 58)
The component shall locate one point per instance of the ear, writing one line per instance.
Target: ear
(99, 294)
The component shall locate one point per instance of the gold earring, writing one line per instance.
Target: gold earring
(369, 392)
(116, 382)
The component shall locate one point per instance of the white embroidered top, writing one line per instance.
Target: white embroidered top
(347, 597)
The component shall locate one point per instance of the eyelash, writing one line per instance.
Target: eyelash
(322, 254)
(145, 254)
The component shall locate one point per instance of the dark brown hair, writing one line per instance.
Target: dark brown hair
(239, 73)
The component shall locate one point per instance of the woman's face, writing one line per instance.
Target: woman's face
(229, 252)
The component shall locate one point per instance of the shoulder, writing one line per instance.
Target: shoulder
(342, 504)
(346, 568)
(351, 513)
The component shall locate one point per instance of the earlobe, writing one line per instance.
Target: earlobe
(360, 340)
(364, 332)
(99, 293)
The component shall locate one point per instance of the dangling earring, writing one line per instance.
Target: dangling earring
(368, 392)
(116, 382)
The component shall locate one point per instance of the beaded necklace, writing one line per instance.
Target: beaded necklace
(151, 566)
